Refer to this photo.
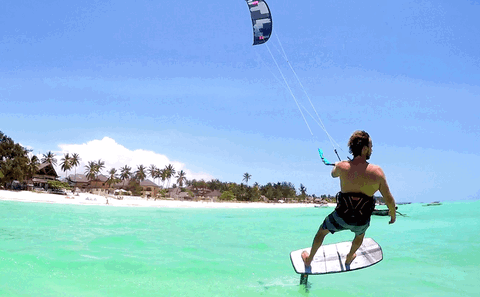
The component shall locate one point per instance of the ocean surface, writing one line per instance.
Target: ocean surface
(76, 250)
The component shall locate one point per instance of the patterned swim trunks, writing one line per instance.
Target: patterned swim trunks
(333, 223)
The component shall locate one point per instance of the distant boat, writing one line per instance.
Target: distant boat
(380, 212)
(433, 203)
(321, 206)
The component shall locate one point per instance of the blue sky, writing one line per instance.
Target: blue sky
(180, 82)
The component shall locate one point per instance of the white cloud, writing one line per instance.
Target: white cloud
(116, 156)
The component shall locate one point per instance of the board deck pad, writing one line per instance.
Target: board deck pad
(331, 258)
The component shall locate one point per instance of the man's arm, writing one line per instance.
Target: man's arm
(385, 191)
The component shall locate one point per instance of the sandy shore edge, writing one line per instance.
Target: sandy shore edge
(91, 199)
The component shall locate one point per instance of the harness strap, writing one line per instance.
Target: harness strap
(355, 208)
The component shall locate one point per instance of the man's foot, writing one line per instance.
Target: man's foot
(305, 258)
(350, 259)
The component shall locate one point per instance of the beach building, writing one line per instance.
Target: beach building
(45, 172)
(204, 195)
(81, 182)
(149, 188)
(177, 194)
(213, 195)
(78, 181)
(99, 185)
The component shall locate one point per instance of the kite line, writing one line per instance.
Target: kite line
(262, 31)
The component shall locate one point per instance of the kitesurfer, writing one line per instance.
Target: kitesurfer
(359, 181)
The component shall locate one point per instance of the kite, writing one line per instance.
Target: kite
(261, 20)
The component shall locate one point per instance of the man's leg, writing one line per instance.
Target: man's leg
(356, 243)
(317, 242)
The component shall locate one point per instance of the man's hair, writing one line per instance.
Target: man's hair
(357, 141)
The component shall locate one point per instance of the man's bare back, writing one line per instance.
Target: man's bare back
(359, 176)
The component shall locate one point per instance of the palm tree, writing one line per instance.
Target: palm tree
(140, 174)
(246, 177)
(181, 178)
(112, 178)
(125, 173)
(100, 165)
(66, 163)
(170, 172)
(303, 190)
(158, 173)
(215, 184)
(152, 170)
(50, 158)
(75, 161)
(32, 166)
(91, 170)
(163, 176)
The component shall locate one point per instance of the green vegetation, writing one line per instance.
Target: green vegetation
(58, 185)
(135, 188)
(242, 192)
(227, 196)
(14, 161)
(190, 193)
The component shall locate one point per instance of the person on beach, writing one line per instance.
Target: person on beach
(359, 181)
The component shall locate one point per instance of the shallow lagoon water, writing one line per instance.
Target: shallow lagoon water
(75, 250)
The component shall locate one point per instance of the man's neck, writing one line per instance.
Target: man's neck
(359, 159)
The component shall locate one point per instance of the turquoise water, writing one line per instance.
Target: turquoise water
(75, 250)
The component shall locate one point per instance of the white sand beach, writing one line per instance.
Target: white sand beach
(91, 199)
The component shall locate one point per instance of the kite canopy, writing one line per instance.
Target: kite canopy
(261, 20)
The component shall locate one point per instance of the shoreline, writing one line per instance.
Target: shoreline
(128, 201)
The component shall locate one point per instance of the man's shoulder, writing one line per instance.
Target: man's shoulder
(343, 164)
(375, 169)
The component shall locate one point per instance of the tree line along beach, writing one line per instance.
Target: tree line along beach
(35, 178)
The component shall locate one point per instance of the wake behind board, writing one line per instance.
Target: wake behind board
(331, 258)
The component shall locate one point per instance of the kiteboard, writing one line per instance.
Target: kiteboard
(331, 258)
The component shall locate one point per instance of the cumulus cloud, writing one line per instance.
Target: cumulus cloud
(116, 156)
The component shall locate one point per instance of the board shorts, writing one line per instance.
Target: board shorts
(333, 223)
